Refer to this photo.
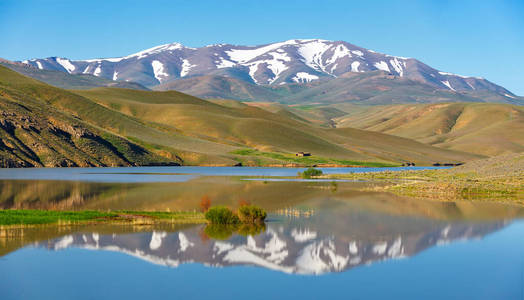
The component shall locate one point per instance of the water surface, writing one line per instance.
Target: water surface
(323, 240)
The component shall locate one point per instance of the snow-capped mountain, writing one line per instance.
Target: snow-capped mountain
(288, 249)
(292, 61)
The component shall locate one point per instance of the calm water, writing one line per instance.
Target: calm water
(323, 240)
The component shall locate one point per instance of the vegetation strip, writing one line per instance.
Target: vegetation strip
(494, 179)
(40, 217)
(289, 158)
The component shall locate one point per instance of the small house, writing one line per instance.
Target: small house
(303, 154)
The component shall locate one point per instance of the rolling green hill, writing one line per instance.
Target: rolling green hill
(482, 128)
(267, 132)
(46, 126)
(34, 133)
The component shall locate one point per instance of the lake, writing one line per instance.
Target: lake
(322, 239)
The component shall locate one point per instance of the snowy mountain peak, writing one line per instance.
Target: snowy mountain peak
(286, 62)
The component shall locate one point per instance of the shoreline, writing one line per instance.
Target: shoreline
(286, 166)
(28, 218)
(442, 186)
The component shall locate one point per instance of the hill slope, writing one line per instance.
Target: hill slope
(482, 128)
(47, 126)
(245, 126)
(35, 134)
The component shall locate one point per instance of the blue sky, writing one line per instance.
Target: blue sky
(476, 38)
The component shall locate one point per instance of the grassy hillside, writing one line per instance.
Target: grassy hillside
(236, 125)
(159, 139)
(482, 128)
(35, 133)
(47, 126)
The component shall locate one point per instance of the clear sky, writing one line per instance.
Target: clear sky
(475, 38)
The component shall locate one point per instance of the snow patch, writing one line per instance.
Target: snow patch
(97, 71)
(184, 242)
(312, 53)
(115, 75)
(302, 236)
(380, 248)
(246, 55)
(186, 67)
(222, 247)
(446, 83)
(39, 64)
(353, 249)
(224, 63)
(354, 66)
(382, 66)
(64, 242)
(66, 64)
(156, 240)
(320, 257)
(358, 52)
(302, 77)
(252, 70)
(339, 52)
(159, 71)
(397, 66)
(396, 250)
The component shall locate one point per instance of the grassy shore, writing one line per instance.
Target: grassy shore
(258, 158)
(14, 218)
(495, 179)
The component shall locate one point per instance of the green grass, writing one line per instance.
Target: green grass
(495, 179)
(288, 158)
(40, 217)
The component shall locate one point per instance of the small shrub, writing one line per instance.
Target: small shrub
(221, 215)
(251, 214)
(311, 172)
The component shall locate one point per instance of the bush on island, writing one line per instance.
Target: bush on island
(247, 214)
(311, 172)
(221, 215)
(250, 214)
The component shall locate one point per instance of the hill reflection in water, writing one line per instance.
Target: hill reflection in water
(284, 247)
(340, 227)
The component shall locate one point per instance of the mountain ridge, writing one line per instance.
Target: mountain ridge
(288, 62)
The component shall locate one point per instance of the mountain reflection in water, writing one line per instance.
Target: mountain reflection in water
(284, 246)
(324, 230)
(314, 227)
